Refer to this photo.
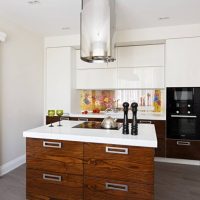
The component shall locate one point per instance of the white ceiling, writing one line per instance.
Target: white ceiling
(50, 16)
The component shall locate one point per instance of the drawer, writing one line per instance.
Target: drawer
(119, 162)
(106, 189)
(47, 185)
(160, 151)
(184, 149)
(55, 156)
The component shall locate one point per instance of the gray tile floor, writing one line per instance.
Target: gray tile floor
(172, 182)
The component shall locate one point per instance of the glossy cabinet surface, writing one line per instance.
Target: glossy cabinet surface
(141, 77)
(136, 67)
(141, 56)
(96, 78)
(182, 62)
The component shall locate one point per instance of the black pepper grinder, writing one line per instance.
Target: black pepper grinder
(134, 124)
(125, 122)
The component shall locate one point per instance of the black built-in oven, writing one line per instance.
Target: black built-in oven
(183, 113)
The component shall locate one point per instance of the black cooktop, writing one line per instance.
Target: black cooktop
(95, 125)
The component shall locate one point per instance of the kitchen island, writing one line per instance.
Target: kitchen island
(76, 163)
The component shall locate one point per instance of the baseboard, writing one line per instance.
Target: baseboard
(11, 165)
(178, 161)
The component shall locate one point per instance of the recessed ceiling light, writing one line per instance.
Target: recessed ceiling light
(65, 28)
(33, 2)
(163, 18)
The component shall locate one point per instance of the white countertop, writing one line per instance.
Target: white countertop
(146, 134)
(120, 115)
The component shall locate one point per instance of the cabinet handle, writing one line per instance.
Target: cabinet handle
(51, 177)
(145, 122)
(117, 150)
(64, 118)
(184, 116)
(57, 145)
(182, 143)
(83, 119)
(114, 186)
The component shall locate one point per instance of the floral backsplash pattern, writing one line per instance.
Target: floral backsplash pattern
(91, 99)
(148, 100)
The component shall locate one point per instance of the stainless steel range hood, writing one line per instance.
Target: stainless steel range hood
(98, 30)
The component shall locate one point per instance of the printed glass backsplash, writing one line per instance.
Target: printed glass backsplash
(148, 100)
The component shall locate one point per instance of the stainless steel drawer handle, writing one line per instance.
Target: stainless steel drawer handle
(117, 150)
(184, 116)
(82, 119)
(182, 143)
(57, 145)
(51, 177)
(145, 122)
(113, 186)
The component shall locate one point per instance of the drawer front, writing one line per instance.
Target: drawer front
(106, 189)
(184, 149)
(119, 162)
(55, 156)
(47, 185)
(160, 151)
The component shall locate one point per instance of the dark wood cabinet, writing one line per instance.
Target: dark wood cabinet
(119, 162)
(107, 189)
(52, 185)
(86, 171)
(184, 149)
(55, 156)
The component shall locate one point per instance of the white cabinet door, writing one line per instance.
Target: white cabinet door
(58, 78)
(141, 78)
(141, 56)
(96, 78)
(183, 62)
(85, 65)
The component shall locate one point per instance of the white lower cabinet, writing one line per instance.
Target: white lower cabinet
(96, 78)
(141, 78)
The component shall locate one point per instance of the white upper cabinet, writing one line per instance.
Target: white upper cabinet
(85, 65)
(96, 78)
(138, 67)
(183, 62)
(141, 78)
(141, 56)
(58, 79)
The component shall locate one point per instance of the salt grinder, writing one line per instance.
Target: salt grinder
(125, 121)
(134, 124)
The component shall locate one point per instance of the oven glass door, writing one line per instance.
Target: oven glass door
(184, 94)
(185, 127)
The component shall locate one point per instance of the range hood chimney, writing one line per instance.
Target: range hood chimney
(98, 31)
